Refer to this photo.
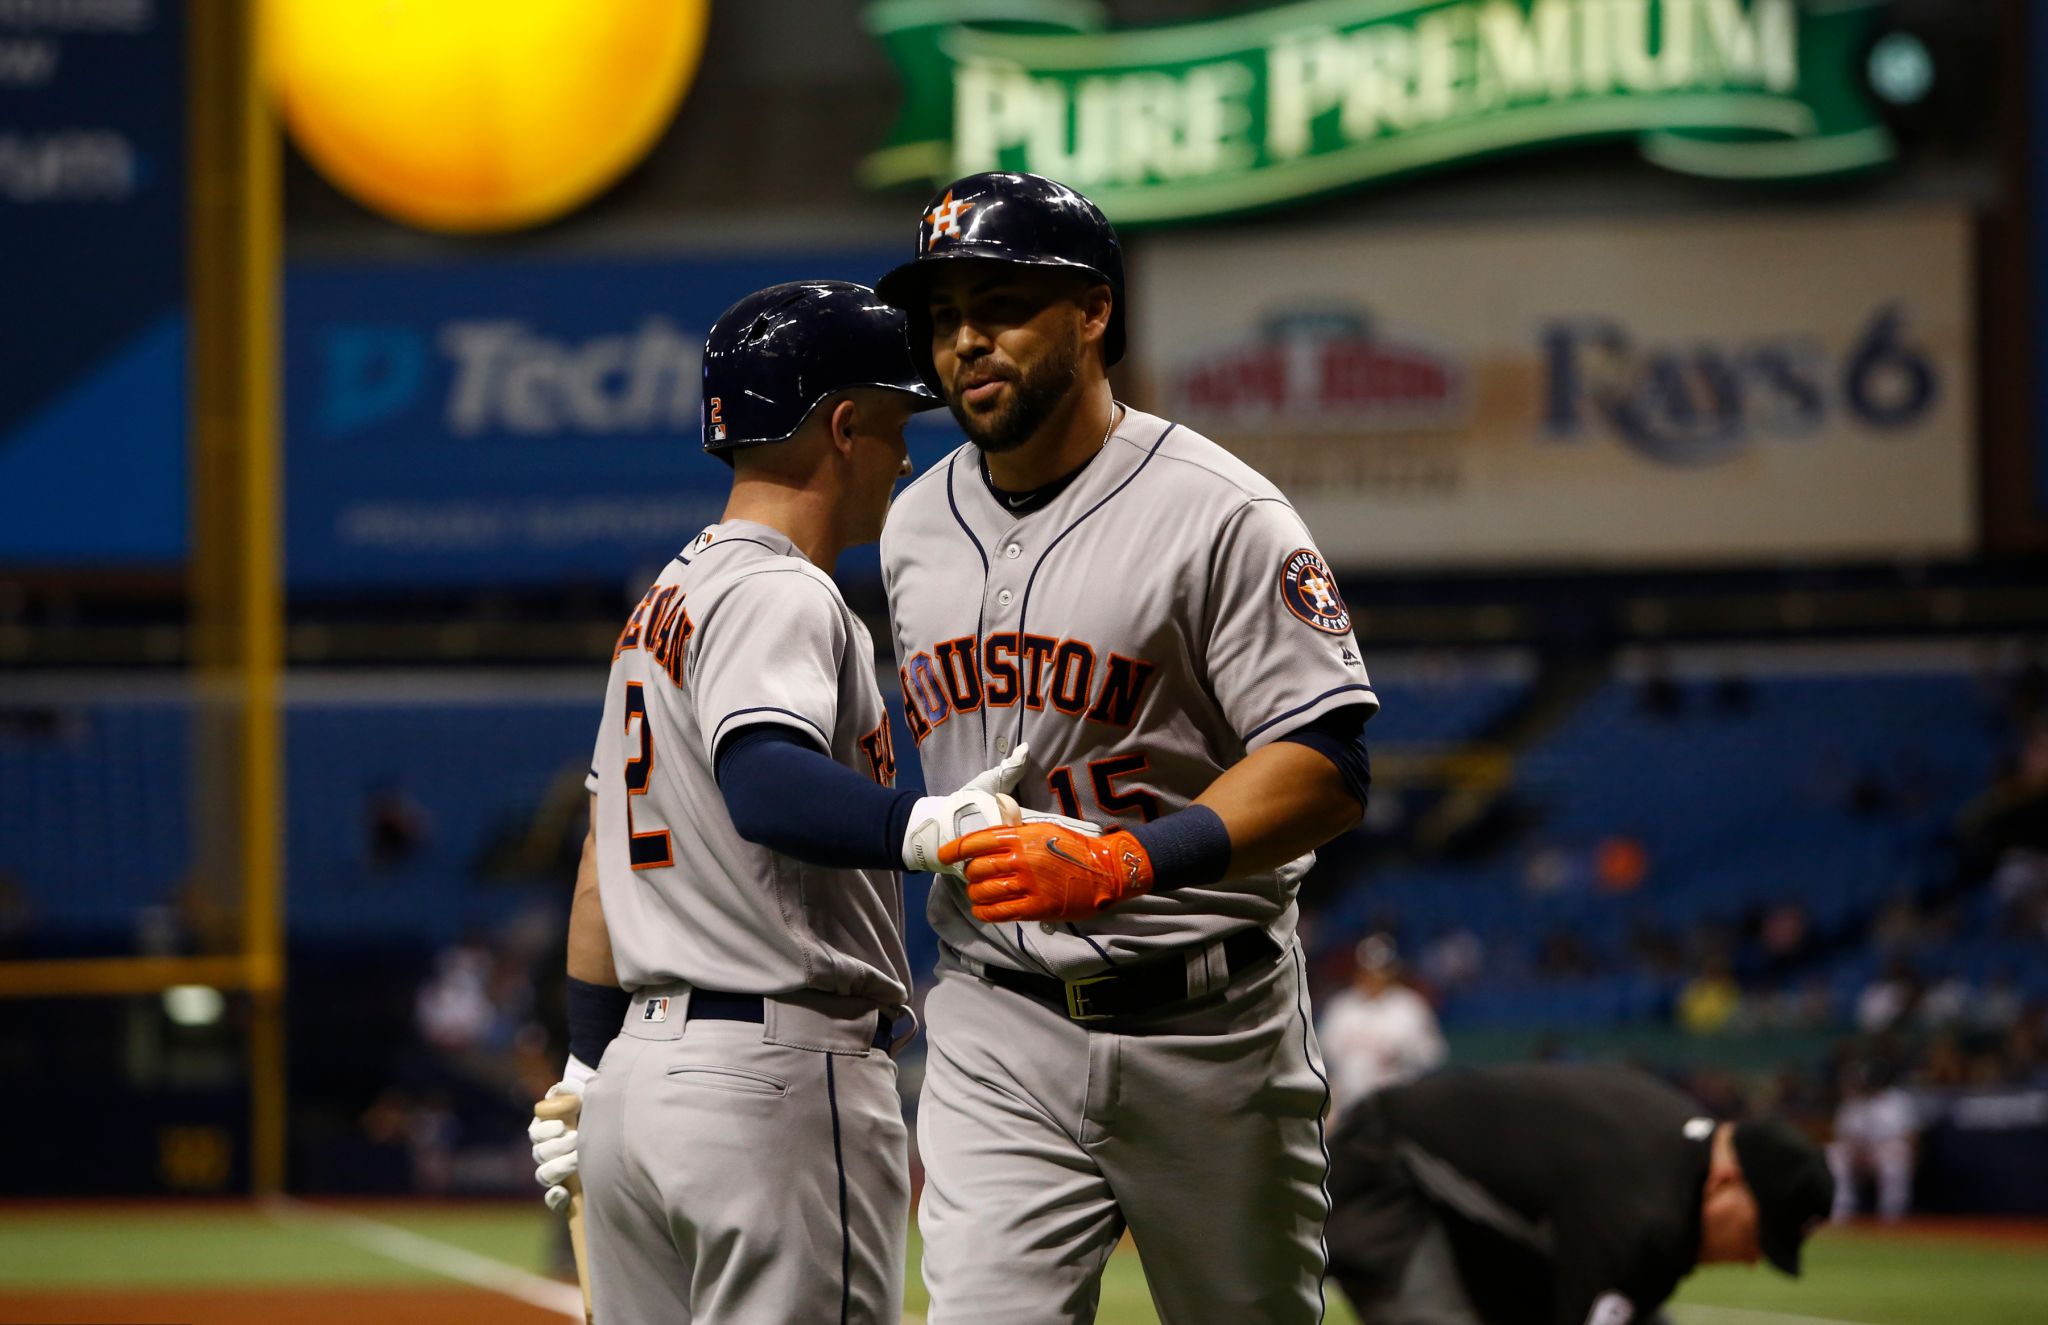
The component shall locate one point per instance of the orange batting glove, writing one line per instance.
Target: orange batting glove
(1041, 871)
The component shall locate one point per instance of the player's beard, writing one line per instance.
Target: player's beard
(1034, 395)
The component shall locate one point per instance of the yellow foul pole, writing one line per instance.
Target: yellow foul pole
(236, 219)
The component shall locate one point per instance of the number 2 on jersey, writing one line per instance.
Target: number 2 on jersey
(648, 850)
(1102, 774)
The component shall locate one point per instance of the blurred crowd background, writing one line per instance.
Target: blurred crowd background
(1692, 504)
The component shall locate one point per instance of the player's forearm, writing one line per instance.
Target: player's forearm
(791, 798)
(1280, 802)
(590, 943)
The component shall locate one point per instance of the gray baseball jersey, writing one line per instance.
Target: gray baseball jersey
(739, 629)
(1164, 615)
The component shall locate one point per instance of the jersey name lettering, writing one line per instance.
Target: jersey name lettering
(660, 625)
(880, 748)
(961, 675)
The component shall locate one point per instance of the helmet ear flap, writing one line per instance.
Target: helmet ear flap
(917, 330)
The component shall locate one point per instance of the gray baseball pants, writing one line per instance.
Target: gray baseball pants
(738, 1173)
(1044, 1139)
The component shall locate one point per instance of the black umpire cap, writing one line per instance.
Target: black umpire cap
(1794, 1190)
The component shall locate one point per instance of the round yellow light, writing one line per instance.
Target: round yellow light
(479, 114)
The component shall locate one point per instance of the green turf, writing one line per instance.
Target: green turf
(1879, 1280)
(1855, 1278)
(189, 1249)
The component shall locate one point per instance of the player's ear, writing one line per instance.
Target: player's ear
(846, 424)
(1096, 303)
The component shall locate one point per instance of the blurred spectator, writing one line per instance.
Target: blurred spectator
(1996, 1007)
(1454, 959)
(1379, 1031)
(454, 1005)
(1886, 1001)
(396, 823)
(2020, 884)
(1564, 956)
(1875, 1130)
(1805, 1007)
(1660, 695)
(1550, 870)
(1785, 933)
(1620, 864)
(1734, 694)
(1899, 926)
(1710, 1000)
(1944, 1003)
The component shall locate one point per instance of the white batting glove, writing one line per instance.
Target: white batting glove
(554, 1141)
(1081, 826)
(982, 803)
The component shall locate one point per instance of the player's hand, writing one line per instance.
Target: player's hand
(1043, 872)
(983, 802)
(554, 1140)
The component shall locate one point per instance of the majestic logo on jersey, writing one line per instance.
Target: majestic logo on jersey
(961, 675)
(944, 219)
(1310, 592)
(661, 626)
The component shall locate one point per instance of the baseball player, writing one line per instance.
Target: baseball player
(1379, 1032)
(741, 1142)
(1120, 1035)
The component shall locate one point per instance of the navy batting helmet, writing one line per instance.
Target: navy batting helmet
(775, 354)
(1026, 219)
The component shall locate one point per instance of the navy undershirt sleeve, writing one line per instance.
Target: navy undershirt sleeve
(1192, 847)
(595, 1012)
(786, 794)
(1339, 736)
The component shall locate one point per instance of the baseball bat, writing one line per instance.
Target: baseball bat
(568, 1108)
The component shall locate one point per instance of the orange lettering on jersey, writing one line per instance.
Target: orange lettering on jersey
(661, 625)
(1038, 651)
(669, 627)
(629, 638)
(999, 657)
(1036, 669)
(1073, 674)
(1122, 690)
(927, 691)
(880, 748)
(963, 678)
(919, 728)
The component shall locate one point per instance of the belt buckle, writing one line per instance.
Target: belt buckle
(1077, 999)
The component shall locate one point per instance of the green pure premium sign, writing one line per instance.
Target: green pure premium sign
(1259, 108)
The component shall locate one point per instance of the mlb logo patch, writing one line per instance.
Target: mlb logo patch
(717, 432)
(654, 1009)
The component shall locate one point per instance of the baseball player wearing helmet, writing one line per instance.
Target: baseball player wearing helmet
(741, 1142)
(1120, 1036)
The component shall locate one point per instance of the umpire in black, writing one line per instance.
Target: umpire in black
(1550, 1194)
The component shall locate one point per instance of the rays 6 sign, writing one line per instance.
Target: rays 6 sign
(1246, 111)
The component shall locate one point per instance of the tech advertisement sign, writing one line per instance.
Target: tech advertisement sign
(1260, 108)
(1667, 392)
(92, 284)
(502, 423)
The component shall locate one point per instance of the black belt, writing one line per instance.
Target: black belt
(712, 1005)
(1131, 991)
